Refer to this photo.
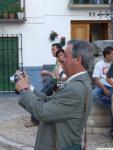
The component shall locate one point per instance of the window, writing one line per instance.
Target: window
(9, 60)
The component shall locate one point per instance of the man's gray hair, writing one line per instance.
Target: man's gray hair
(85, 50)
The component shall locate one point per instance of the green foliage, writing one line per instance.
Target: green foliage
(53, 35)
(10, 6)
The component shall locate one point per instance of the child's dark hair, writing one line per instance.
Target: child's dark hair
(107, 51)
(58, 45)
(59, 51)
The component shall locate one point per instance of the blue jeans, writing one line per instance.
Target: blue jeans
(101, 98)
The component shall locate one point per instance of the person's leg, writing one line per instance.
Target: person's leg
(34, 120)
(111, 98)
(101, 98)
(112, 116)
(112, 103)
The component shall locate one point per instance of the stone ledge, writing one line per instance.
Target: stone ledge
(97, 130)
(99, 117)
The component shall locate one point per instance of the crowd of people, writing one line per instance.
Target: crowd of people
(62, 114)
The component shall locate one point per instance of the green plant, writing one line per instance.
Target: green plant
(62, 40)
(53, 35)
(14, 8)
(10, 6)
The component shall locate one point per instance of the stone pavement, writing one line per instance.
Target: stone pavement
(14, 136)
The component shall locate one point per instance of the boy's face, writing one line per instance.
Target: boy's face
(110, 57)
(60, 57)
(54, 50)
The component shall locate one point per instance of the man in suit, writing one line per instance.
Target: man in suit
(63, 115)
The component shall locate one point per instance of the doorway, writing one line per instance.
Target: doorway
(90, 31)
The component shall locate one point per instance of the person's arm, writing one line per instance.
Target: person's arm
(97, 75)
(23, 85)
(45, 73)
(110, 81)
(42, 95)
(110, 75)
(65, 104)
(99, 84)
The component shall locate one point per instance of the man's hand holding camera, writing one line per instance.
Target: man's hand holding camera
(22, 83)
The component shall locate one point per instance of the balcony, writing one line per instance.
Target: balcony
(89, 3)
(12, 11)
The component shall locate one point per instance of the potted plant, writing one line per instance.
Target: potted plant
(20, 13)
(53, 35)
(13, 8)
(9, 9)
(5, 14)
(62, 40)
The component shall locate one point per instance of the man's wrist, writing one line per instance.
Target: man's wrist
(24, 89)
(28, 88)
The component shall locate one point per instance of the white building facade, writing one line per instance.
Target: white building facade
(72, 19)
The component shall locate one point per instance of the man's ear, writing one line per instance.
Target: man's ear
(78, 60)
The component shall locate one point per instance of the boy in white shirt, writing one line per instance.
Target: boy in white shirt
(103, 90)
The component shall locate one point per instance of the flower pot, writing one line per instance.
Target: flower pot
(5, 15)
(63, 41)
(11, 15)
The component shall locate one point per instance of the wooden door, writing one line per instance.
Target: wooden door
(80, 31)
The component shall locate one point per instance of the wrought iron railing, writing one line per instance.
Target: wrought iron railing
(89, 1)
(11, 10)
(10, 59)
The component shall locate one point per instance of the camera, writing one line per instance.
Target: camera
(16, 77)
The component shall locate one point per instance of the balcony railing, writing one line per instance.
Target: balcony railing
(90, 1)
(12, 11)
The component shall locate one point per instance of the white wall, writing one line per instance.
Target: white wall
(43, 16)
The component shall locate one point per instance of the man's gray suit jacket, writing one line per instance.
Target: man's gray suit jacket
(62, 115)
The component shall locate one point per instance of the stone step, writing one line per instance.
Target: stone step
(99, 116)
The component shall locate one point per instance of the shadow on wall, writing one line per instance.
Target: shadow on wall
(100, 45)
